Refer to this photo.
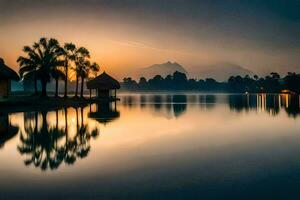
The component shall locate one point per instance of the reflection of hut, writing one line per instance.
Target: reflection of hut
(104, 113)
(179, 104)
(7, 131)
(104, 84)
(6, 76)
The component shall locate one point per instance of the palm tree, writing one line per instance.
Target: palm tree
(41, 58)
(91, 71)
(29, 65)
(87, 70)
(69, 53)
(83, 72)
(81, 56)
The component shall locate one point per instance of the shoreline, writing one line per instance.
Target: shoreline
(27, 103)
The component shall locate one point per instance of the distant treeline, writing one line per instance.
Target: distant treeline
(272, 83)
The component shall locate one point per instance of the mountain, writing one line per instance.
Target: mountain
(220, 72)
(163, 69)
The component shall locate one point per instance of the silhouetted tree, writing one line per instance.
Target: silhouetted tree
(292, 82)
(41, 58)
(87, 70)
(81, 56)
(29, 65)
(68, 52)
(272, 83)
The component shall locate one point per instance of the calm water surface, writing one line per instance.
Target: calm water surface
(165, 146)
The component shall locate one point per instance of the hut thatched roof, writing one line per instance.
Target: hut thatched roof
(103, 82)
(7, 73)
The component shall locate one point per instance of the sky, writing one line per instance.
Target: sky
(124, 35)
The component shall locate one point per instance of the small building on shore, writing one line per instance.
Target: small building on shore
(105, 85)
(6, 76)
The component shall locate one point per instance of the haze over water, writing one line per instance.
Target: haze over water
(158, 146)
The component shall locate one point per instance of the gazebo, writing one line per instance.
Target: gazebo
(104, 84)
(6, 76)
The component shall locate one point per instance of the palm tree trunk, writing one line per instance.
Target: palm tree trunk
(44, 88)
(35, 84)
(56, 87)
(66, 81)
(76, 91)
(81, 91)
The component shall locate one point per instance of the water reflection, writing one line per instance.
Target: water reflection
(177, 105)
(47, 147)
(67, 136)
(7, 131)
(271, 104)
(105, 112)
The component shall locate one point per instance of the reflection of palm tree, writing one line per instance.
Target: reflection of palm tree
(69, 156)
(48, 148)
(42, 146)
(83, 137)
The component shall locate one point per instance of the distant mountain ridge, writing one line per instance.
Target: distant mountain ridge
(220, 71)
(163, 69)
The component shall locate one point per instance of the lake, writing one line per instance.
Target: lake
(155, 146)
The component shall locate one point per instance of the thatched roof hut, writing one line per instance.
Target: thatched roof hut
(6, 76)
(103, 84)
(6, 72)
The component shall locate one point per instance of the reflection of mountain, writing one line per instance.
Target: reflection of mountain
(7, 131)
(48, 147)
(105, 113)
(163, 69)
